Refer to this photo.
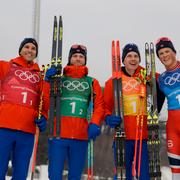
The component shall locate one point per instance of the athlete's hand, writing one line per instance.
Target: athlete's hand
(113, 121)
(49, 73)
(41, 123)
(93, 131)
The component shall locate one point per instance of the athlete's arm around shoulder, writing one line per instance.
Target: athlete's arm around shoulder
(98, 102)
(108, 97)
(160, 94)
(4, 68)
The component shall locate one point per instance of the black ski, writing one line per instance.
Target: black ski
(55, 82)
(152, 114)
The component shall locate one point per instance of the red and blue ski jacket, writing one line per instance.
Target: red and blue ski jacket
(20, 90)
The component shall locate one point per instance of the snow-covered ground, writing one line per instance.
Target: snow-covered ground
(166, 174)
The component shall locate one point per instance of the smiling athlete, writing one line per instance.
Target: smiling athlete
(20, 90)
(170, 84)
(75, 131)
(131, 88)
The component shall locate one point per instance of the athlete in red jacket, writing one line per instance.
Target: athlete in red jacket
(20, 90)
(131, 106)
(75, 129)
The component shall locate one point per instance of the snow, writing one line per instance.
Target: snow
(166, 174)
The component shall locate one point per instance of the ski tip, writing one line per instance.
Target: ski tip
(151, 45)
(146, 46)
(117, 42)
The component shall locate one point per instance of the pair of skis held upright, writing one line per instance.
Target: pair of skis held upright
(55, 83)
(152, 116)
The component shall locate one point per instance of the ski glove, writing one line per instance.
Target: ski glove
(49, 73)
(113, 120)
(93, 131)
(41, 123)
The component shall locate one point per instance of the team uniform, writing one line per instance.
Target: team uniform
(131, 104)
(73, 141)
(170, 84)
(20, 88)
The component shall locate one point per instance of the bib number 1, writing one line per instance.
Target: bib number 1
(73, 108)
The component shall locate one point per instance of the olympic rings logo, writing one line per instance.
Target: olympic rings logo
(75, 85)
(131, 84)
(27, 75)
(171, 80)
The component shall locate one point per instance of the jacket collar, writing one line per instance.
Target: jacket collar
(22, 62)
(75, 71)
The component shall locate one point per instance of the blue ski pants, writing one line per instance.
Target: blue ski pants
(129, 157)
(18, 146)
(61, 149)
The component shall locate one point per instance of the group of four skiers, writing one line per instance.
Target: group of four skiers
(21, 88)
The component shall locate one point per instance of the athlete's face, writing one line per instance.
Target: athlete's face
(28, 52)
(167, 57)
(77, 59)
(131, 62)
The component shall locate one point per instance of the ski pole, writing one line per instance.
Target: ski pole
(142, 101)
(90, 160)
(139, 126)
(135, 148)
(35, 153)
(90, 143)
(37, 129)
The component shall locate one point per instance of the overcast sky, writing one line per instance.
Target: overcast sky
(94, 23)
